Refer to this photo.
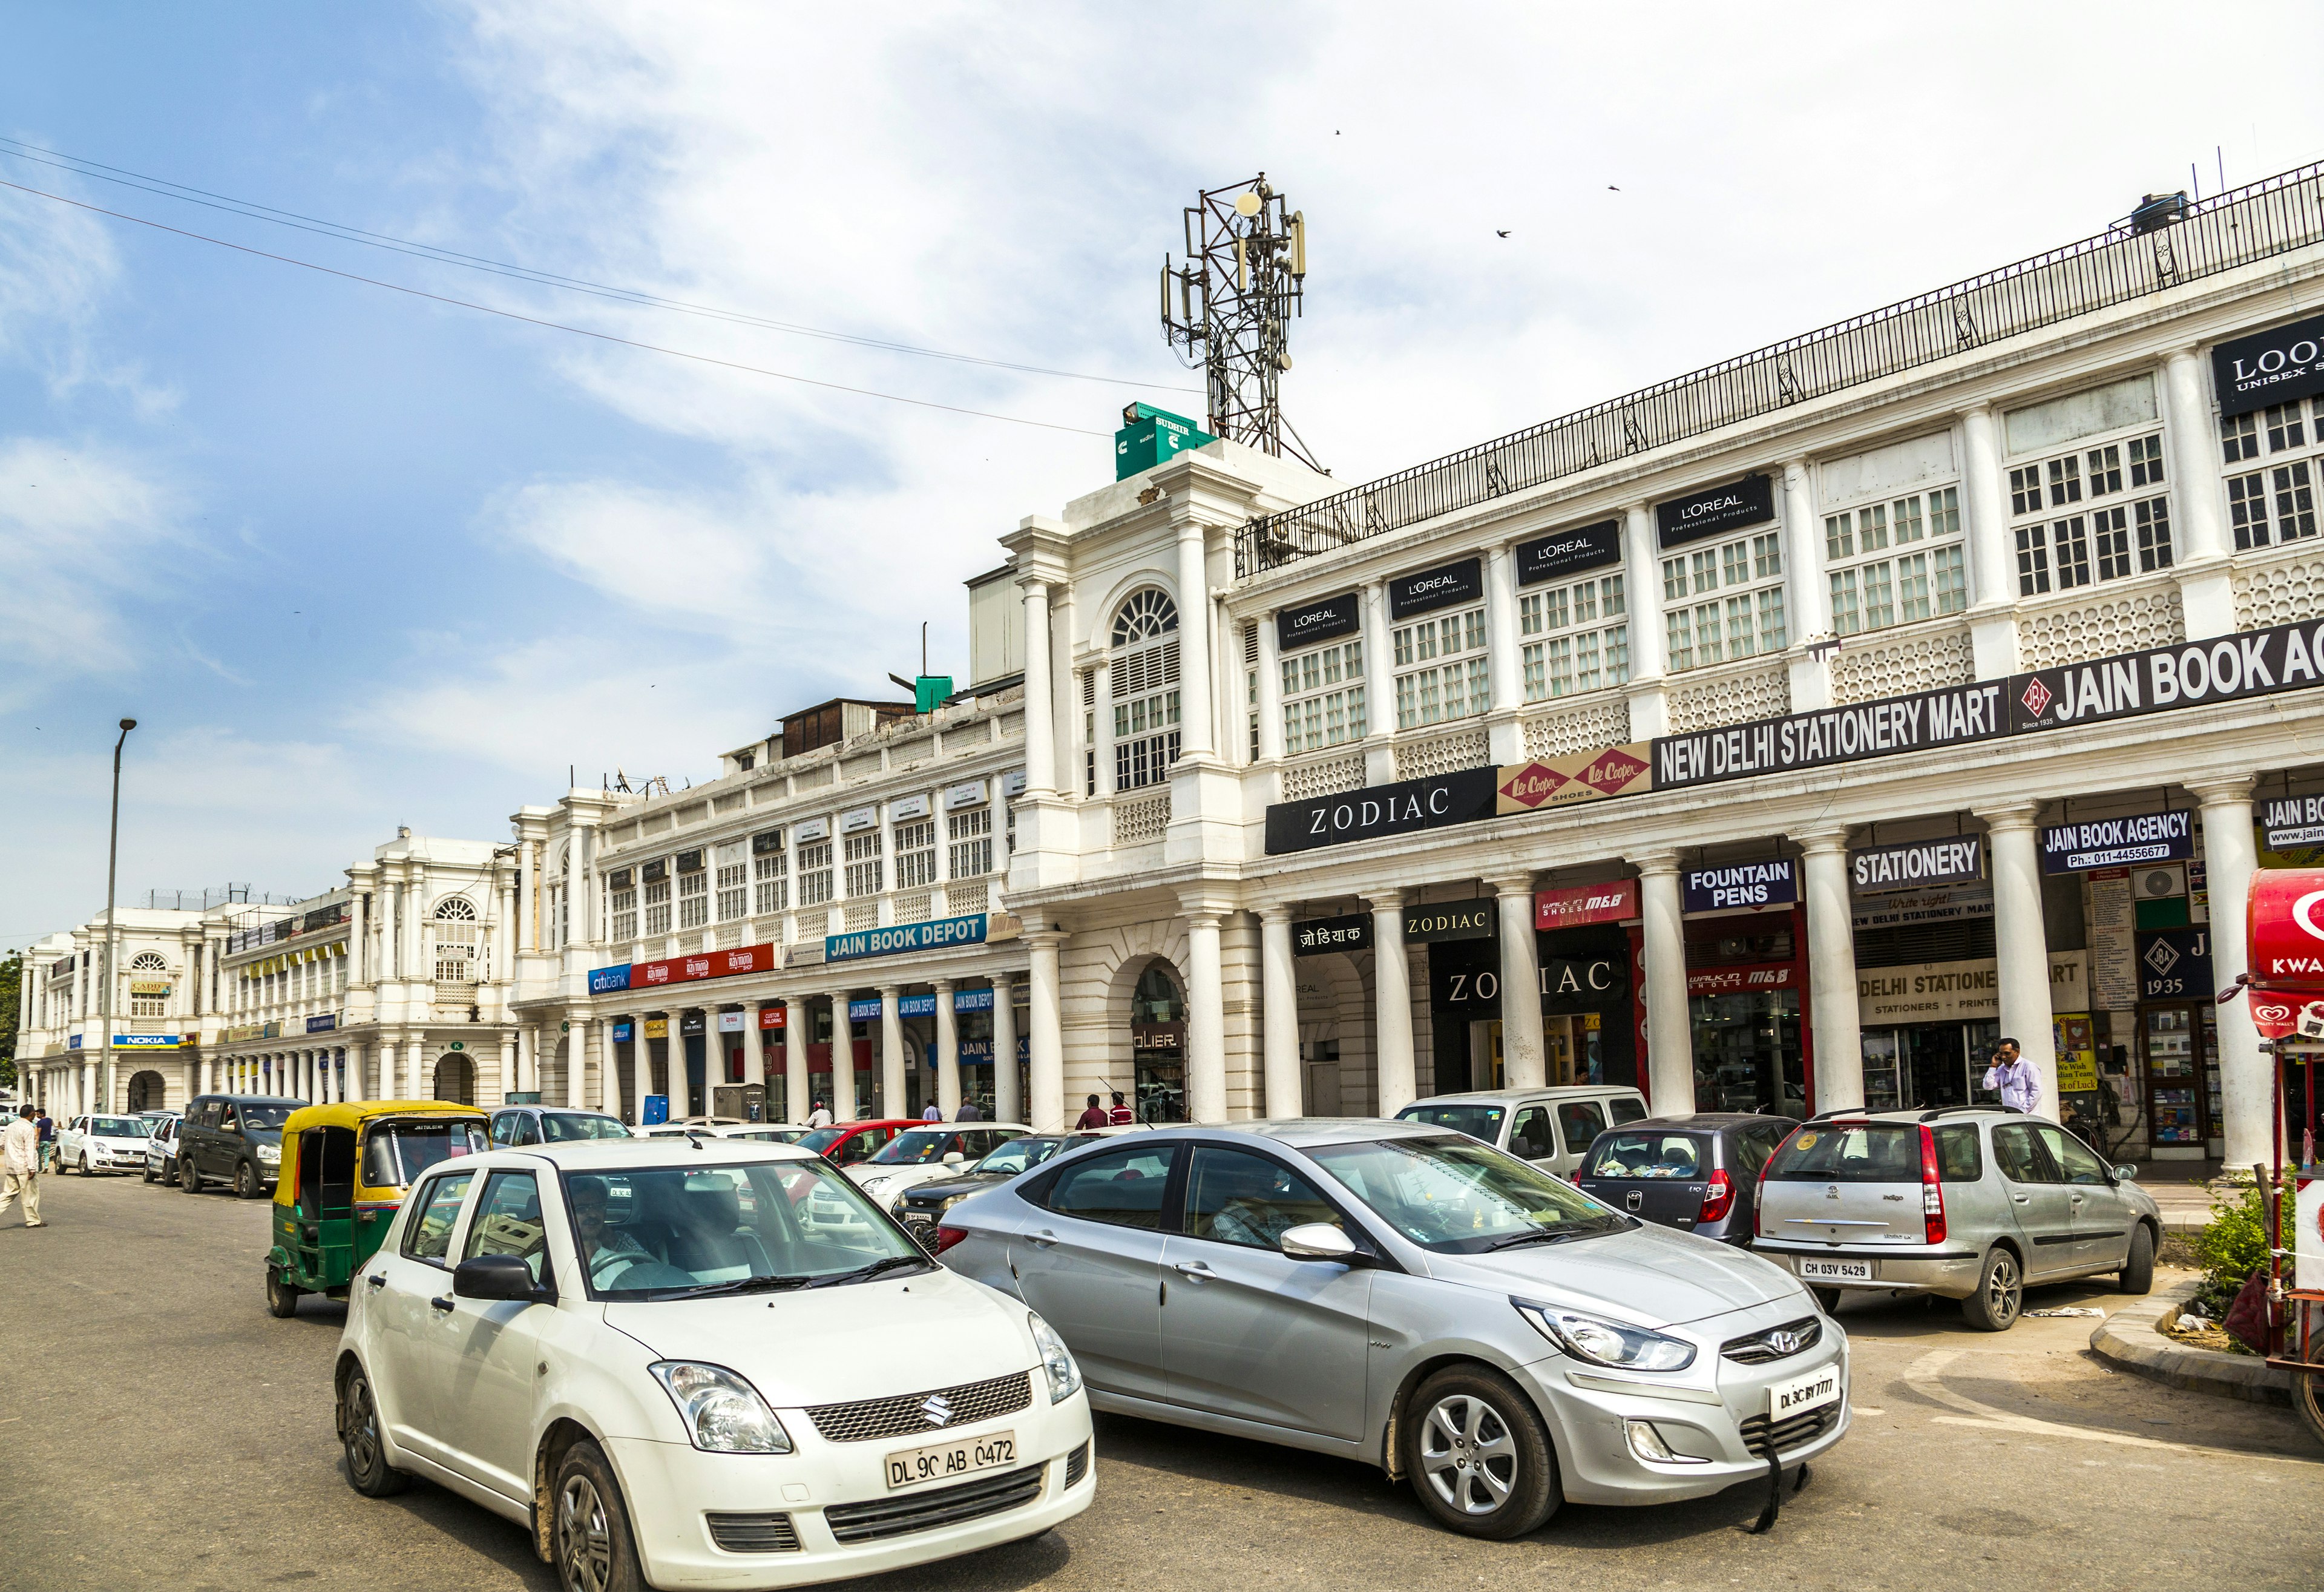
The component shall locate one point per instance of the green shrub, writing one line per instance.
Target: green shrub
(2233, 1246)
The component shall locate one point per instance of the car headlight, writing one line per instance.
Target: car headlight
(723, 1413)
(949, 1201)
(270, 1152)
(1056, 1359)
(1607, 1343)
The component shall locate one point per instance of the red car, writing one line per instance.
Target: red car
(844, 1143)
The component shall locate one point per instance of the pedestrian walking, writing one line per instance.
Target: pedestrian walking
(820, 1117)
(932, 1112)
(1122, 1115)
(1095, 1118)
(48, 1138)
(20, 1165)
(2013, 1078)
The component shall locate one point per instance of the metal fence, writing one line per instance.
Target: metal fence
(2274, 217)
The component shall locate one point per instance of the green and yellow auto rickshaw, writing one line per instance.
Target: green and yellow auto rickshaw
(345, 1171)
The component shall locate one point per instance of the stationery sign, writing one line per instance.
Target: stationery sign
(1917, 864)
(1924, 721)
(1740, 884)
(2113, 843)
(2273, 366)
(1750, 501)
(1569, 552)
(904, 937)
(1328, 620)
(1317, 936)
(1439, 587)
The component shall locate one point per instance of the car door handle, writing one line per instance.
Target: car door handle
(377, 1279)
(1195, 1269)
(2022, 1198)
(1044, 1237)
(439, 1303)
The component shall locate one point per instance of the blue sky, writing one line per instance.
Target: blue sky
(353, 559)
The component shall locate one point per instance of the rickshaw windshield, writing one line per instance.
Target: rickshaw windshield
(396, 1152)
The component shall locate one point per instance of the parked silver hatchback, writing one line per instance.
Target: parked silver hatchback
(1403, 1295)
(1968, 1202)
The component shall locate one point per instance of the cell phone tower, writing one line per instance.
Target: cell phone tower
(1227, 310)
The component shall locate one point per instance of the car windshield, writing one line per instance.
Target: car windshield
(120, 1127)
(779, 1136)
(823, 1139)
(1864, 1152)
(1463, 1197)
(1647, 1155)
(916, 1148)
(560, 1127)
(395, 1152)
(673, 1232)
(1479, 1122)
(1018, 1154)
(262, 1115)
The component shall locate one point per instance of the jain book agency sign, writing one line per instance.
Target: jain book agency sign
(2118, 842)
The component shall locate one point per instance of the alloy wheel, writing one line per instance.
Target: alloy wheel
(361, 1429)
(2003, 1289)
(1468, 1455)
(584, 1543)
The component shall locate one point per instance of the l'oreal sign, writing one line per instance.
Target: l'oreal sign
(1749, 501)
(1318, 622)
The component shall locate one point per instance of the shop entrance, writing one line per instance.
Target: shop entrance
(2182, 1113)
(1928, 1064)
(1158, 1043)
(1744, 975)
(145, 1091)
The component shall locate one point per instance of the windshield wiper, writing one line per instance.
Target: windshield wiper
(1547, 1236)
(865, 1274)
(768, 1284)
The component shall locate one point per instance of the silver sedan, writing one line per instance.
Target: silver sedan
(1407, 1297)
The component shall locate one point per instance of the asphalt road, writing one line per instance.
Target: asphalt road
(157, 1429)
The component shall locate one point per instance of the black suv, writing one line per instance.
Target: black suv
(235, 1139)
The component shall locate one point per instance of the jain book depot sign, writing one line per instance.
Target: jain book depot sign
(904, 937)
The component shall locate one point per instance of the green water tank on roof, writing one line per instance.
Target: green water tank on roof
(1151, 436)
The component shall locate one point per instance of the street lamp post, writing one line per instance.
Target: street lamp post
(112, 862)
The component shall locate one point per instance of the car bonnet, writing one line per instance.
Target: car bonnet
(1650, 1276)
(883, 1338)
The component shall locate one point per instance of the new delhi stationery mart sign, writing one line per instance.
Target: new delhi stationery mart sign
(2158, 679)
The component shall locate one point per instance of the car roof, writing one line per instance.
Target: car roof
(1513, 1097)
(1708, 1121)
(1297, 1131)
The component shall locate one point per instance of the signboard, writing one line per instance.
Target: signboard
(812, 829)
(2113, 933)
(909, 807)
(1740, 884)
(730, 1023)
(1924, 721)
(623, 1032)
(149, 987)
(2257, 663)
(1317, 936)
(772, 1016)
(2273, 366)
(1893, 910)
(972, 1000)
(2077, 1053)
(1744, 979)
(1404, 808)
(2284, 928)
(934, 935)
(657, 1028)
(1444, 586)
(1579, 776)
(2289, 822)
(858, 819)
(967, 793)
(1929, 992)
(1570, 984)
(1450, 919)
(1569, 552)
(1158, 1036)
(147, 1042)
(2117, 842)
(1569, 906)
(323, 1025)
(608, 980)
(2174, 964)
(718, 963)
(1916, 865)
(689, 1024)
(1750, 501)
(1318, 622)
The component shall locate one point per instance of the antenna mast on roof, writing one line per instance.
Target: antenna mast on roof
(1227, 310)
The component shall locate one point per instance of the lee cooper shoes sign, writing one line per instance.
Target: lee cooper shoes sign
(1583, 776)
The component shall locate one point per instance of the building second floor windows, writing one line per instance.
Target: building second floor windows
(1894, 561)
(916, 854)
(1323, 697)
(1726, 602)
(2274, 502)
(814, 873)
(621, 911)
(1584, 637)
(1440, 664)
(866, 865)
(970, 833)
(1143, 665)
(693, 899)
(770, 880)
(734, 880)
(656, 907)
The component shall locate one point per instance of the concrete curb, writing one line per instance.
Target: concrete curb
(2132, 1338)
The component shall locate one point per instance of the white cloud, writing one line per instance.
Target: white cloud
(58, 269)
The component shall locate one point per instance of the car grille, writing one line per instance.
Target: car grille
(885, 1418)
(753, 1533)
(1077, 1465)
(925, 1512)
(1760, 1348)
(1762, 1439)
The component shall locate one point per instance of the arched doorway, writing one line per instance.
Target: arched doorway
(1158, 1044)
(456, 1081)
(145, 1091)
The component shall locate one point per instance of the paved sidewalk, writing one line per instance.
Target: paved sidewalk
(2179, 1187)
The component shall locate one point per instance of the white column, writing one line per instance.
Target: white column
(1809, 597)
(894, 1063)
(1379, 675)
(416, 1088)
(1279, 1015)
(527, 1056)
(387, 967)
(1670, 1033)
(1992, 559)
(1525, 1057)
(1503, 730)
(577, 1058)
(682, 1103)
(947, 1052)
(1045, 1113)
(754, 1046)
(2022, 945)
(386, 1070)
(1206, 1021)
(609, 1080)
(508, 1066)
(358, 969)
(415, 931)
(1196, 653)
(1392, 1006)
(1271, 690)
(1040, 692)
(1006, 1102)
(527, 931)
(2247, 1077)
(580, 887)
(798, 1092)
(1649, 642)
(1832, 1010)
(842, 1043)
(640, 1068)
(2196, 492)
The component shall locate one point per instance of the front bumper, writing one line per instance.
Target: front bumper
(1591, 1410)
(673, 1488)
(1949, 1273)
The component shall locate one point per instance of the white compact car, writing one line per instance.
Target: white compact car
(89, 1144)
(647, 1353)
(918, 1155)
(162, 1148)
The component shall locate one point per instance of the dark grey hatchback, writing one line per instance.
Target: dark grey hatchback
(1699, 1173)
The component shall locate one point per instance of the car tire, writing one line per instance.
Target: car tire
(188, 1179)
(281, 1298)
(149, 1171)
(84, 1165)
(589, 1527)
(246, 1185)
(368, 1471)
(2000, 1293)
(1478, 1455)
(2137, 1274)
(1827, 1300)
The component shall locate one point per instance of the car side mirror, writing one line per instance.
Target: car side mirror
(497, 1277)
(1318, 1241)
(955, 1158)
(2125, 1174)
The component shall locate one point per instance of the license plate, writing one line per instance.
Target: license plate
(1826, 1271)
(1810, 1390)
(941, 1461)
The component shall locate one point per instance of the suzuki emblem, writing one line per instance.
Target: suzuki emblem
(936, 1407)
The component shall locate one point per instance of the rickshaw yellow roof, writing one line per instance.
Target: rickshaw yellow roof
(354, 1112)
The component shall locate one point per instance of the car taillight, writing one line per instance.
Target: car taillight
(1719, 1199)
(1932, 1193)
(948, 1236)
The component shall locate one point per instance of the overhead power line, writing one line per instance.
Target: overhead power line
(578, 331)
(82, 166)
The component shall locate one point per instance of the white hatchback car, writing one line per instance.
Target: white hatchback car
(90, 1144)
(922, 1154)
(643, 1351)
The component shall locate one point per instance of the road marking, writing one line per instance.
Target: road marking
(1920, 1377)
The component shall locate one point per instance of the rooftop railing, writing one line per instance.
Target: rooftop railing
(2266, 218)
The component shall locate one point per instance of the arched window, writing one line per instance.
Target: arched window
(149, 962)
(456, 939)
(1144, 665)
(458, 908)
(149, 985)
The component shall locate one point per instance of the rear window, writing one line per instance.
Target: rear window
(1647, 1155)
(1124, 1188)
(1479, 1122)
(1867, 1152)
(560, 1126)
(1626, 1109)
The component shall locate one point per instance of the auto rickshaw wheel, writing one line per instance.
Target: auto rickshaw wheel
(281, 1298)
(368, 1471)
